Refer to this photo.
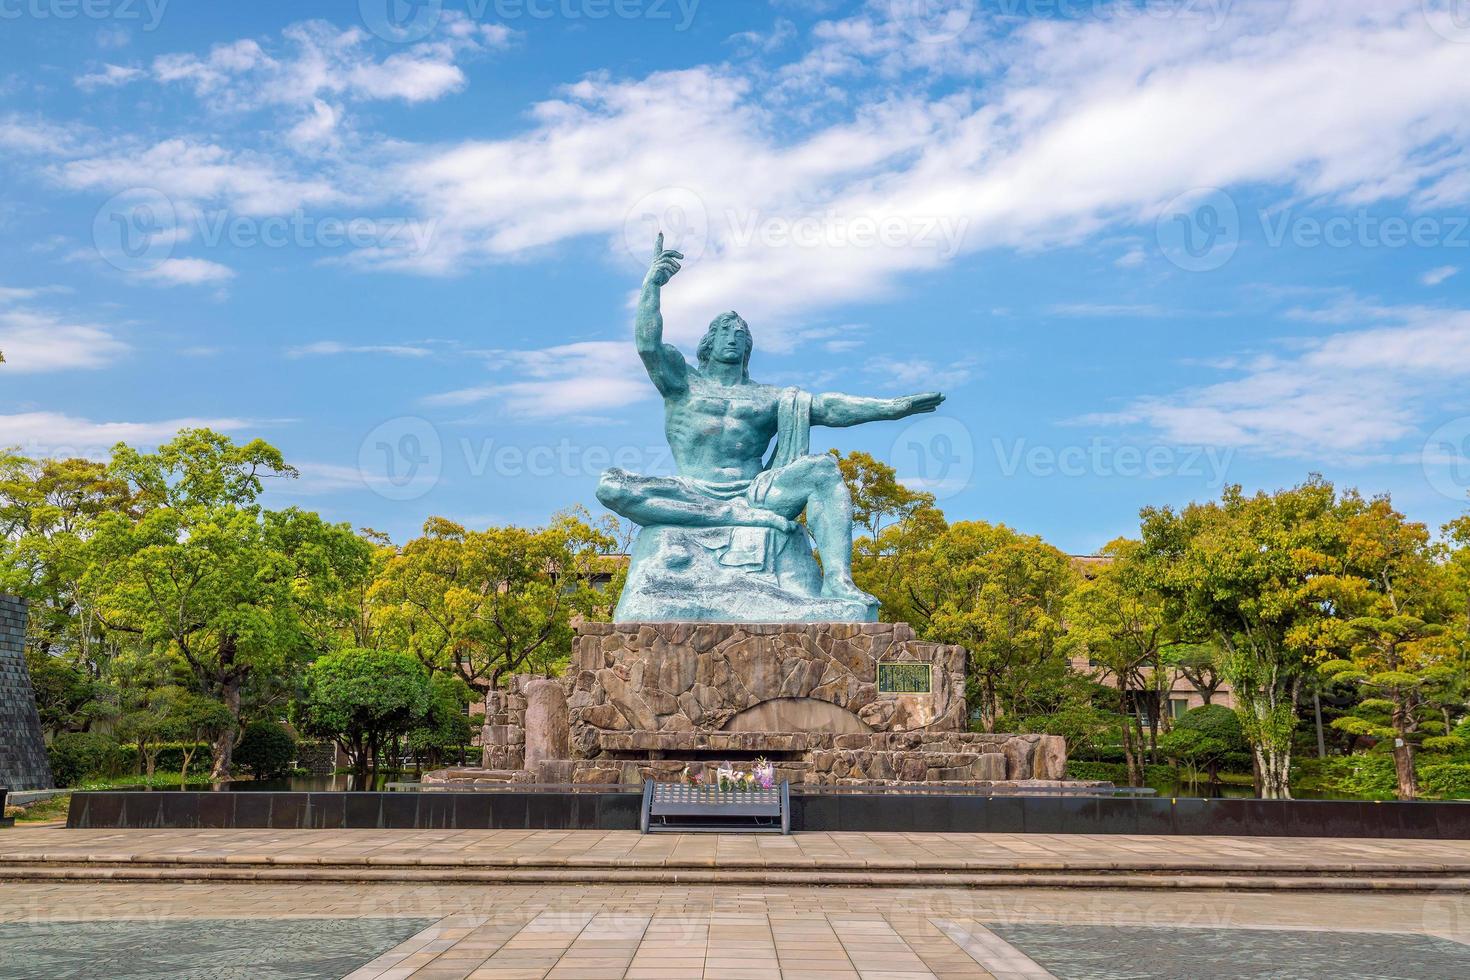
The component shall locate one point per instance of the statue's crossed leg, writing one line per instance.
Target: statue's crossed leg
(774, 499)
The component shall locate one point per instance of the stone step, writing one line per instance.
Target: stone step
(482, 873)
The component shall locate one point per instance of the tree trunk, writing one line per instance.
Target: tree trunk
(1403, 769)
(1317, 713)
(224, 743)
(1135, 778)
(1273, 766)
(1403, 751)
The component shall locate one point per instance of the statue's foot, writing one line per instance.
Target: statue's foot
(847, 590)
(755, 517)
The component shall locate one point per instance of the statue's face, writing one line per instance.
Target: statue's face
(731, 343)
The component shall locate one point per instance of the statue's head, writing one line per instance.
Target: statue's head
(728, 341)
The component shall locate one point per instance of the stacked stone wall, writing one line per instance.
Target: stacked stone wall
(23, 762)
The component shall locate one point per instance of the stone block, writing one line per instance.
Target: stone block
(548, 725)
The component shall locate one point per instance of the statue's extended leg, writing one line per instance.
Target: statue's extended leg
(815, 484)
(652, 500)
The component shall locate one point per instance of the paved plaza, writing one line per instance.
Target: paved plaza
(861, 857)
(263, 931)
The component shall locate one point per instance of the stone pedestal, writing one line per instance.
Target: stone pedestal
(817, 700)
(732, 677)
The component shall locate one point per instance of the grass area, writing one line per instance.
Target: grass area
(43, 811)
(160, 780)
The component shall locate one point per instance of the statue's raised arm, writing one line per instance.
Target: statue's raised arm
(666, 366)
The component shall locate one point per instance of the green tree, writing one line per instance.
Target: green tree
(485, 604)
(206, 575)
(1390, 641)
(894, 528)
(266, 749)
(363, 698)
(1119, 616)
(1244, 571)
(47, 512)
(1203, 738)
(999, 594)
(445, 730)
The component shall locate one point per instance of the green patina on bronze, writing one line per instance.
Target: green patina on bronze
(721, 541)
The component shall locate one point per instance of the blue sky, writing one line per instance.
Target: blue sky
(1146, 249)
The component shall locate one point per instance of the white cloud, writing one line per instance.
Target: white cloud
(188, 272)
(1107, 310)
(332, 347)
(316, 60)
(110, 76)
(1081, 126)
(53, 434)
(1438, 275)
(581, 380)
(195, 173)
(1348, 395)
(37, 136)
(35, 341)
(912, 375)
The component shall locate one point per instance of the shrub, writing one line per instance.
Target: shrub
(78, 756)
(1450, 780)
(1216, 722)
(266, 750)
(1365, 774)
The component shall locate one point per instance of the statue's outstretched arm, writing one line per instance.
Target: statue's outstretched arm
(666, 366)
(838, 410)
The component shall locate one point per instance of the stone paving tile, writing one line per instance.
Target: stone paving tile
(682, 932)
(844, 851)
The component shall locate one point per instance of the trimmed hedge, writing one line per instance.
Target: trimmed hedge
(78, 756)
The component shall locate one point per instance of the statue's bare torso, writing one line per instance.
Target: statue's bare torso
(720, 432)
